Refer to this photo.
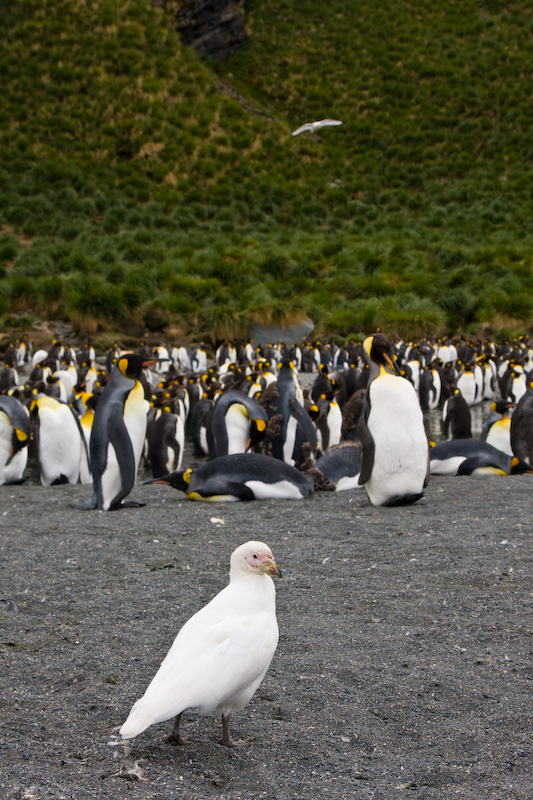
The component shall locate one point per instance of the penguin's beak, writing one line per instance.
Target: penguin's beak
(174, 479)
(154, 361)
(392, 364)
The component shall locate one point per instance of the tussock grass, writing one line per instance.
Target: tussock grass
(133, 190)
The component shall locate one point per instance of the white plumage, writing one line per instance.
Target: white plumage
(222, 653)
(315, 126)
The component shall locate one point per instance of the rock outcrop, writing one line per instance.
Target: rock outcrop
(214, 28)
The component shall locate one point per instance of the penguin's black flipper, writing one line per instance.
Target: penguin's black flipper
(221, 488)
(367, 450)
(120, 439)
(426, 481)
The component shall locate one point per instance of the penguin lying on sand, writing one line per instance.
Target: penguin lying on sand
(240, 476)
(473, 457)
(341, 465)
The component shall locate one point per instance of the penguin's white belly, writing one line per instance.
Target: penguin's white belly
(282, 490)
(6, 435)
(334, 424)
(237, 428)
(448, 466)
(415, 373)
(174, 463)
(38, 357)
(401, 447)
(467, 385)
(518, 389)
(499, 436)
(434, 395)
(489, 379)
(85, 470)
(135, 419)
(59, 444)
(111, 479)
(203, 440)
(90, 380)
(348, 482)
(14, 470)
(290, 440)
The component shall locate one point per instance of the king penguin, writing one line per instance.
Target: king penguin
(241, 476)
(290, 430)
(14, 439)
(456, 417)
(342, 466)
(473, 457)
(522, 427)
(118, 434)
(60, 442)
(165, 437)
(235, 423)
(394, 445)
(497, 427)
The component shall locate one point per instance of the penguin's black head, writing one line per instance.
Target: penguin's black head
(131, 365)
(502, 406)
(178, 480)
(519, 467)
(378, 348)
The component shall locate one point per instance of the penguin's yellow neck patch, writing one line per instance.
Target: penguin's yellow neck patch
(490, 471)
(216, 498)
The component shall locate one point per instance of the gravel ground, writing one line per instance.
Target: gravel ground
(403, 667)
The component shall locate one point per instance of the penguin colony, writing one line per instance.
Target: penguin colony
(75, 418)
(78, 419)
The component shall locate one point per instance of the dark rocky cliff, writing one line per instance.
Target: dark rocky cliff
(214, 28)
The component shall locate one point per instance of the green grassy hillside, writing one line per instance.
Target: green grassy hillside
(143, 188)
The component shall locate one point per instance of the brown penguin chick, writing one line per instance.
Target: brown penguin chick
(350, 415)
(321, 483)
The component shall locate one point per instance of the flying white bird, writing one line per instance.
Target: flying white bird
(315, 126)
(221, 654)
